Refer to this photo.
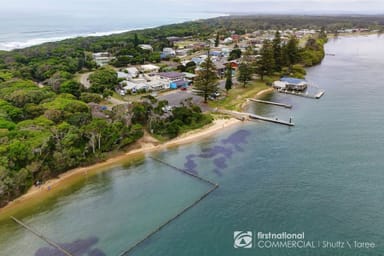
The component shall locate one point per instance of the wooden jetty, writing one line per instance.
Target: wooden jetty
(305, 95)
(268, 119)
(149, 235)
(42, 237)
(271, 103)
(263, 118)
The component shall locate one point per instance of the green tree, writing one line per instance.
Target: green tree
(245, 73)
(277, 51)
(217, 40)
(228, 78)
(266, 63)
(136, 40)
(206, 81)
(71, 87)
(291, 51)
(322, 33)
(235, 54)
(107, 93)
(94, 132)
(104, 78)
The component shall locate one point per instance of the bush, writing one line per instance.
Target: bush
(90, 97)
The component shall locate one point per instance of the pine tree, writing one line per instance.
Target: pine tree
(277, 51)
(291, 50)
(217, 41)
(245, 73)
(266, 64)
(135, 40)
(206, 81)
(228, 75)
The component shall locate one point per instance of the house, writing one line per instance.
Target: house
(225, 52)
(172, 76)
(149, 68)
(173, 79)
(198, 60)
(235, 38)
(216, 53)
(279, 85)
(167, 53)
(182, 52)
(146, 47)
(295, 84)
(220, 68)
(228, 40)
(234, 64)
(189, 76)
(134, 72)
(178, 84)
(174, 38)
(134, 87)
(157, 85)
(102, 58)
(123, 75)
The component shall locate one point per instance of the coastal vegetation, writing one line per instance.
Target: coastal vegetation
(50, 123)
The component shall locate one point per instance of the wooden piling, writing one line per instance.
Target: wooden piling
(41, 236)
(214, 187)
(168, 222)
(184, 171)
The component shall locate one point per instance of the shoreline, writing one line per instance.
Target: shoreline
(257, 96)
(71, 176)
(23, 44)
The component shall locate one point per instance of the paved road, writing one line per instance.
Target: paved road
(84, 80)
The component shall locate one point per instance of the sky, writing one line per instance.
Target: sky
(214, 6)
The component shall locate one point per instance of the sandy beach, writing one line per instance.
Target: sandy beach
(147, 145)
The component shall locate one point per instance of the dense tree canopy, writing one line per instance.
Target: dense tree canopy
(103, 79)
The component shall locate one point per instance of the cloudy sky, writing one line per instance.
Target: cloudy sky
(232, 6)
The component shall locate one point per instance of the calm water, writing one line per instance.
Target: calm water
(323, 177)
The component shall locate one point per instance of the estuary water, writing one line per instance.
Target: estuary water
(323, 177)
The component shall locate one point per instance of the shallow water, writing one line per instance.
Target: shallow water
(323, 177)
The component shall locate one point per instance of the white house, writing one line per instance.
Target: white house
(123, 75)
(169, 52)
(133, 87)
(102, 58)
(147, 47)
(134, 72)
(150, 68)
(228, 40)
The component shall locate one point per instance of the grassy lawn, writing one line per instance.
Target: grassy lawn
(238, 95)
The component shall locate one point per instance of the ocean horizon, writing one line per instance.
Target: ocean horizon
(18, 34)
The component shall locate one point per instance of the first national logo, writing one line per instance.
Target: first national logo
(243, 239)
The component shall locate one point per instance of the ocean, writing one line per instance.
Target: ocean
(322, 178)
(22, 27)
